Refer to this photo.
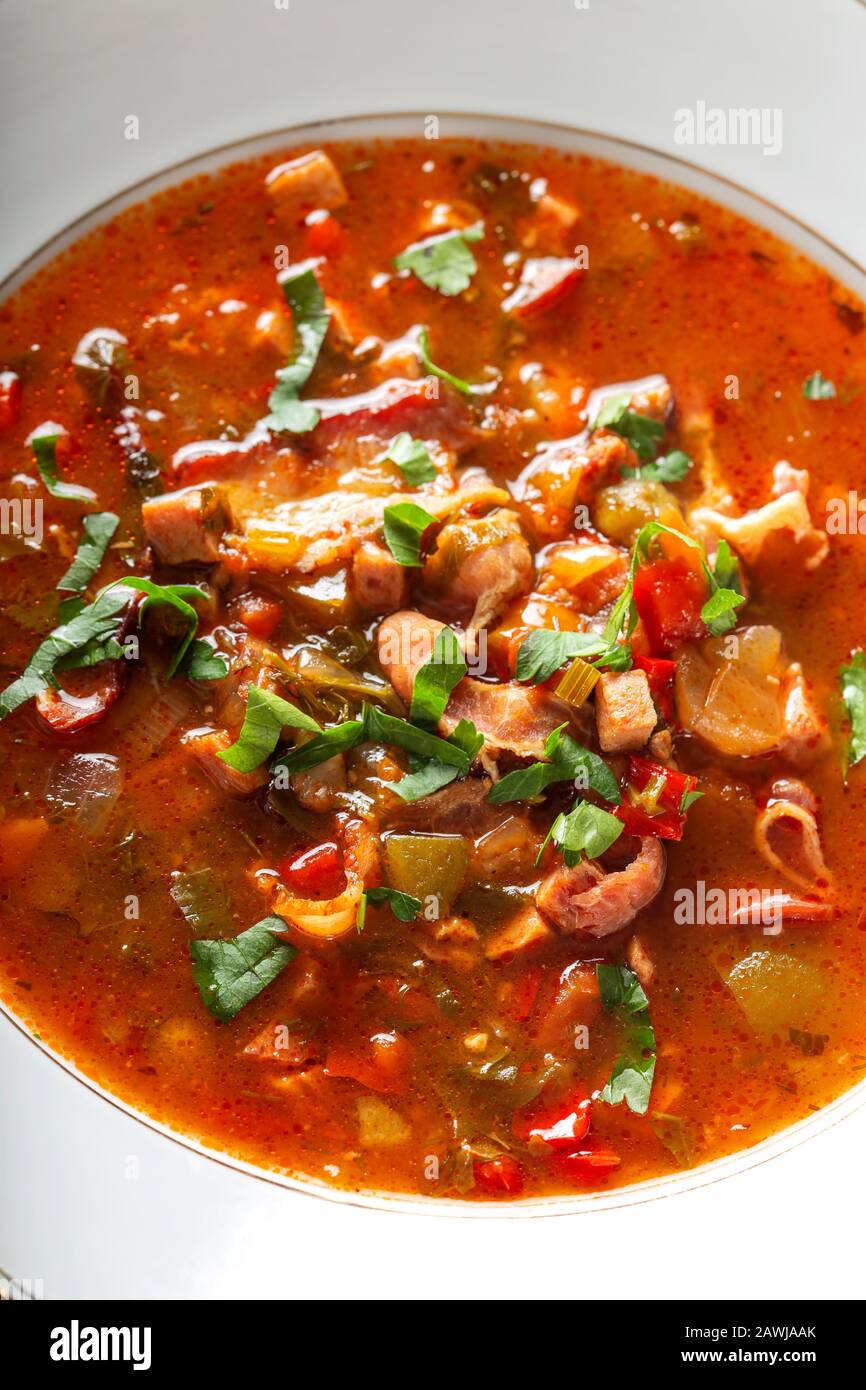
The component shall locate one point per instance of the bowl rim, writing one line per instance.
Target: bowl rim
(599, 145)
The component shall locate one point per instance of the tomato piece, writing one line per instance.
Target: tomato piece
(381, 1063)
(557, 1124)
(325, 235)
(68, 712)
(544, 282)
(10, 399)
(315, 873)
(669, 595)
(259, 614)
(501, 1177)
(659, 672)
(591, 1161)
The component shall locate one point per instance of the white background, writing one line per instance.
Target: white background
(204, 72)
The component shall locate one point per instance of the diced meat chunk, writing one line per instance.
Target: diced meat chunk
(792, 789)
(480, 563)
(507, 851)
(185, 527)
(205, 747)
(510, 716)
(585, 898)
(525, 931)
(311, 533)
(300, 185)
(661, 745)
(379, 583)
(461, 809)
(91, 695)
(544, 282)
(624, 711)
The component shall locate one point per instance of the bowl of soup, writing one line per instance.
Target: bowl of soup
(432, 697)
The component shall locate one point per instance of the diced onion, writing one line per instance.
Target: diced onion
(88, 784)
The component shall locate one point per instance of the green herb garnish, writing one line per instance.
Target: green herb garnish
(204, 662)
(412, 458)
(174, 596)
(670, 468)
(321, 747)
(817, 388)
(853, 682)
(641, 432)
(568, 761)
(585, 830)
(92, 629)
(632, 1076)
(99, 527)
(387, 728)
(229, 974)
(265, 716)
(405, 524)
(543, 652)
(310, 319)
(435, 680)
(45, 453)
(404, 907)
(430, 366)
(443, 262)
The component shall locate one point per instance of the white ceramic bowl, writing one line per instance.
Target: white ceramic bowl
(121, 1204)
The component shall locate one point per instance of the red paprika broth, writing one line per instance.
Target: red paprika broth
(509, 1027)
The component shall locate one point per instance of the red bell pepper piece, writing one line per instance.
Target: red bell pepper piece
(665, 826)
(314, 873)
(659, 672)
(591, 1160)
(669, 788)
(675, 785)
(669, 595)
(499, 1176)
(560, 1125)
